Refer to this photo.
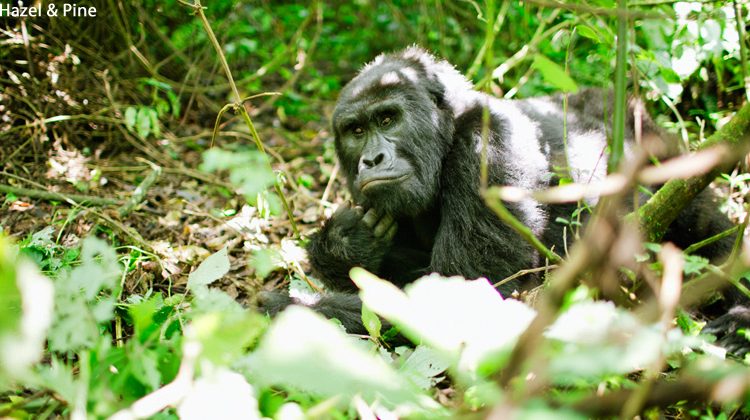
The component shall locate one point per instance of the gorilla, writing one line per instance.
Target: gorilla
(408, 135)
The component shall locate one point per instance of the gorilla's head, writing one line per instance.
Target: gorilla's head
(394, 125)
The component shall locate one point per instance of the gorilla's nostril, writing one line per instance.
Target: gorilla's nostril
(371, 163)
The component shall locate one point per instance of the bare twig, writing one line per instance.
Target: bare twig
(601, 233)
(74, 199)
(599, 11)
(707, 387)
(523, 273)
(140, 192)
(662, 208)
(669, 295)
(494, 203)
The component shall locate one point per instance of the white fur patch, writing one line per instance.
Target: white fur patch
(459, 92)
(410, 74)
(586, 152)
(357, 90)
(390, 78)
(525, 163)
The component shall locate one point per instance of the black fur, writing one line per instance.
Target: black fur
(408, 113)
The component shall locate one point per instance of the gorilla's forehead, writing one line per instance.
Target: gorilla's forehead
(361, 107)
(382, 77)
(385, 84)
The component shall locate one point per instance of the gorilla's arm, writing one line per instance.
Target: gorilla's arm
(350, 238)
(346, 307)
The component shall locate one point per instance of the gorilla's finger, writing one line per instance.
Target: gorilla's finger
(360, 211)
(383, 225)
(391, 232)
(371, 217)
(719, 326)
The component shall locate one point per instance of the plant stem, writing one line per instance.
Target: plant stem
(618, 124)
(238, 104)
(494, 202)
(56, 196)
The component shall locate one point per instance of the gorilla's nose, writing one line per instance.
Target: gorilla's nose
(367, 162)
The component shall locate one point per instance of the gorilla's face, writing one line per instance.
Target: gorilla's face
(391, 138)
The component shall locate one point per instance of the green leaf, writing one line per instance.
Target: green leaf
(306, 180)
(250, 171)
(554, 74)
(265, 261)
(687, 324)
(99, 270)
(146, 369)
(130, 117)
(214, 300)
(537, 410)
(143, 122)
(43, 238)
(305, 351)
(10, 296)
(601, 340)
(153, 117)
(219, 394)
(174, 103)
(59, 378)
(224, 336)
(422, 366)
(371, 322)
(695, 264)
(81, 299)
(142, 313)
(211, 269)
(73, 328)
(26, 304)
(588, 32)
(449, 314)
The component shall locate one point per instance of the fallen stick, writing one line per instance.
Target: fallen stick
(56, 196)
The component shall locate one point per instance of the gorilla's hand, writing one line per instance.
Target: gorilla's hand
(351, 238)
(726, 329)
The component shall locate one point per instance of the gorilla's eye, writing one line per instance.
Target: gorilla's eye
(388, 117)
(358, 130)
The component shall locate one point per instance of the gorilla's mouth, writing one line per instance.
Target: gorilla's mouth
(381, 180)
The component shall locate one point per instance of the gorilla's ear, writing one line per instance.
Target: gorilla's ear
(436, 90)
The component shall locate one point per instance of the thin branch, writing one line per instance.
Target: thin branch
(73, 199)
(523, 273)
(708, 241)
(601, 232)
(616, 144)
(599, 11)
(140, 192)
(743, 47)
(691, 388)
(238, 103)
(493, 202)
(662, 208)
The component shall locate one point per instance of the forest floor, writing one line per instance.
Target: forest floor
(186, 214)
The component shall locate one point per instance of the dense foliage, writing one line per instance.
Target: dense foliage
(162, 163)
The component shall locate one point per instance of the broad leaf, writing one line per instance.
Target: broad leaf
(554, 74)
(304, 351)
(452, 315)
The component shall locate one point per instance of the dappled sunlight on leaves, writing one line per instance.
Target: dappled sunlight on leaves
(305, 351)
(450, 314)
